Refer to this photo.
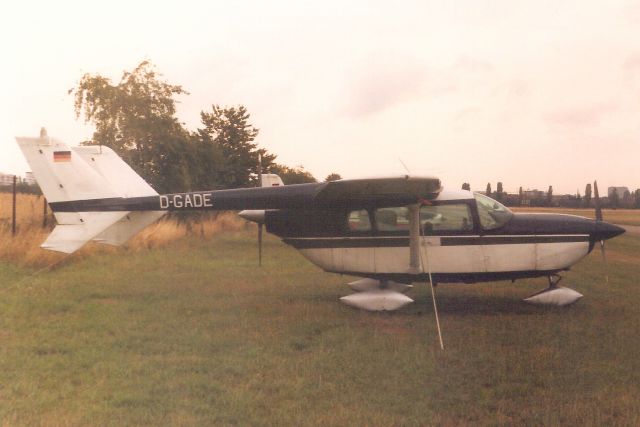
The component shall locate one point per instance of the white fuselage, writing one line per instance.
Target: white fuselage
(436, 258)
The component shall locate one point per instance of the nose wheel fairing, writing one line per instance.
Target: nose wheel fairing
(554, 295)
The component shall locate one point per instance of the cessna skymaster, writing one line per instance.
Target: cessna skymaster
(389, 231)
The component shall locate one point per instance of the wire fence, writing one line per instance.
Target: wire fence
(10, 214)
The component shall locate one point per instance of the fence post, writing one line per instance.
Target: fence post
(13, 216)
(44, 213)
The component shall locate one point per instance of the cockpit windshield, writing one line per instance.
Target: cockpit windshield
(492, 213)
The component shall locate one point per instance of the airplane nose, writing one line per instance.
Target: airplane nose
(605, 231)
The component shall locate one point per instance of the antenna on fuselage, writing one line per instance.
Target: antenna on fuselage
(404, 166)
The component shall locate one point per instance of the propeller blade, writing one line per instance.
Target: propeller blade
(596, 201)
(260, 245)
(598, 206)
(604, 259)
(260, 224)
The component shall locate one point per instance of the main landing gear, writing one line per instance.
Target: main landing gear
(377, 295)
(554, 279)
(554, 294)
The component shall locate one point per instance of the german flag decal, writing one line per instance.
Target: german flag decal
(62, 156)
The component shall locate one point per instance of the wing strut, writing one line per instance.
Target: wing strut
(415, 235)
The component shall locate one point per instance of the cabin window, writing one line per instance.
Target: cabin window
(449, 217)
(392, 219)
(492, 214)
(359, 220)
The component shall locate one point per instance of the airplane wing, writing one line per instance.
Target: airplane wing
(400, 190)
(97, 196)
(345, 193)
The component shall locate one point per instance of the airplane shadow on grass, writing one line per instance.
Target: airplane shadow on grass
(457, 305)
(480, 305)
(491, 305)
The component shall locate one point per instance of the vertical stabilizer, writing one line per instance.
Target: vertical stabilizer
(84, 173)
(126, 182)
(63, 175)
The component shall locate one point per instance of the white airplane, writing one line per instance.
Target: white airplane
(389, 231)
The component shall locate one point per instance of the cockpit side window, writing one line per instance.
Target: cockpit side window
(445, 218)
(492, 213)
(392, 219)
(359, 220)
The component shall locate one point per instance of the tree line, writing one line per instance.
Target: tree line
(629, 200)
(137, 119)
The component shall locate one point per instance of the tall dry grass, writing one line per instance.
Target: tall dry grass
(24, 248)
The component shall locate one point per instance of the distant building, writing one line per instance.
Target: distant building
(533, 194)
(618, 190)
(29, 178)
(6, 179)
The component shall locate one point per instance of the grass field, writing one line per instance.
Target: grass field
(193, 333)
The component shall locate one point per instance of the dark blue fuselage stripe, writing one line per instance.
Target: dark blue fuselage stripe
(400, 242)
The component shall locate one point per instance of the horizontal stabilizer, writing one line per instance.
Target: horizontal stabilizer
(130, 225)
(69, 238)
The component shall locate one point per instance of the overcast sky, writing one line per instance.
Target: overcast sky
(529, 93)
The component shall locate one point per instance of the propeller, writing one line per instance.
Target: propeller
(597, 201)
(260, 245)
(260, 224)
(599, 219)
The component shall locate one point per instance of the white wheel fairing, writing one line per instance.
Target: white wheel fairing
(559, 296)
(377, 300)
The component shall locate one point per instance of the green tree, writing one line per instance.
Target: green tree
(296, 175)
(136, 118)
(229, 131)
(637, 204)
(499, 191)
(626, 199)
(614, 199)
(587, 196)
(520, 196)
(488, 191)
(333, 177)
(549, 200)
(466, 186)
